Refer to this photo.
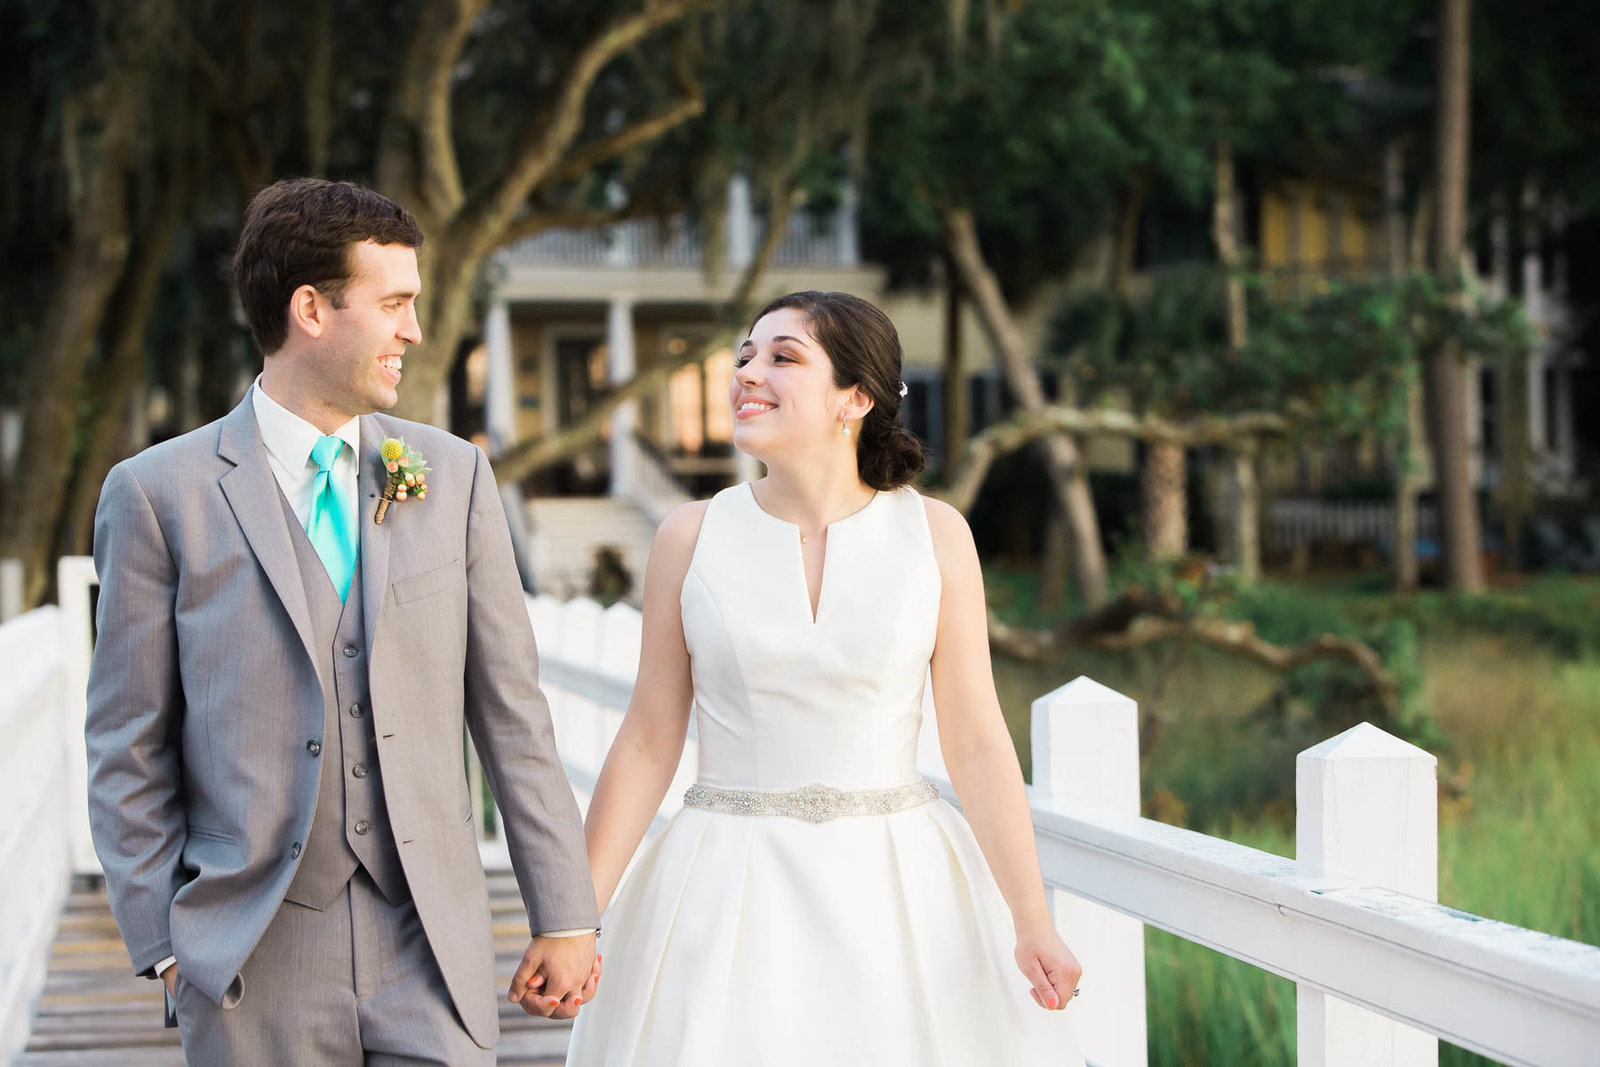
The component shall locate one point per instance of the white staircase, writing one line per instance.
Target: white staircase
(567, 530)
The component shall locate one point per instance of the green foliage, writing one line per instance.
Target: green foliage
(1519, 807)
(1299, 707)
(1165, 353)
(1040, 117)
(1516, 845)
(1337, 360)
(1560, 614)
(1534, 101)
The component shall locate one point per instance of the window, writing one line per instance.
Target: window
(697, 399)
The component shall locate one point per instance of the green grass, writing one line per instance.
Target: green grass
(1512, 681)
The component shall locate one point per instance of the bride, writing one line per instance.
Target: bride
(815, 903)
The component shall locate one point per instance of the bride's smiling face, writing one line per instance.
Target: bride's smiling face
(783, 394)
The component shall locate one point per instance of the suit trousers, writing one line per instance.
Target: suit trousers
(355, 984)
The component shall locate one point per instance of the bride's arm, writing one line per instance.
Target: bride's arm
(982, 761)
(645, 754)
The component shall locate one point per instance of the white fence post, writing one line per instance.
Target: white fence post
(75, 577)
(1086, 749)
(1367, 810)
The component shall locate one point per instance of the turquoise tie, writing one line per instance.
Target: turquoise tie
(331, 526)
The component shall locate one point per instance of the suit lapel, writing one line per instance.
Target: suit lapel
(253, 493)
(375, 539)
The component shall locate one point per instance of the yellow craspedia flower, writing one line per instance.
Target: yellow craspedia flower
(391, 450)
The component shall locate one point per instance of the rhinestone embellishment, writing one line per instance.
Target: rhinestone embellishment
(813, 803)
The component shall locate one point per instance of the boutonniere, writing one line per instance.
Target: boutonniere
(408, 474)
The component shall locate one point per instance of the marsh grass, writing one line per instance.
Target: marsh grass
(1519, 834)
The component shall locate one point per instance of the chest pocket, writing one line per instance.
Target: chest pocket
(429, 583)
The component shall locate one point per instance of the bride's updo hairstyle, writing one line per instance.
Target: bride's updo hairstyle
(865, 350)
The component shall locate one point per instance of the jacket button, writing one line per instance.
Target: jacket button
(359, 770)
(362, 827)
(351, 652)
(314, 747)
(294, 851)
(356, 711)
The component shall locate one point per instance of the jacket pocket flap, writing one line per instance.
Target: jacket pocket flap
(428, 583)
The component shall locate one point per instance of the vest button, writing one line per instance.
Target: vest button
(351, 652)
(359, 770)
(294, 851)
(356, 711)
(362, 827)
(314, 747)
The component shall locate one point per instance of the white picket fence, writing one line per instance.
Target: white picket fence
(1382, 970)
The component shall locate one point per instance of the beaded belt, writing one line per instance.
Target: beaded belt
(813, 803)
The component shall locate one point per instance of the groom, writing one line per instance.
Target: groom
(280, 685)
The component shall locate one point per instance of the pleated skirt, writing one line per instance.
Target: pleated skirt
(739, 941)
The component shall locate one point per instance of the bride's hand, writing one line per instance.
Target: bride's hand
(1049, 965)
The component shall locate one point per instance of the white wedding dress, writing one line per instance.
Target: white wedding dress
(760, 940)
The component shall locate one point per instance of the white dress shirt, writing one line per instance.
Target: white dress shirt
(289, 440)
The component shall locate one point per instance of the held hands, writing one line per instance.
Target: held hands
(556, 976)
(1049, 964)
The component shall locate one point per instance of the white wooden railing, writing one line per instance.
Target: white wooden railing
(678, 242)
(649, 482)
(1382, 970)
(43, 806)
(33, 832)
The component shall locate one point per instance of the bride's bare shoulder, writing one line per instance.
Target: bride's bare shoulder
(676, 536)
(948, 528)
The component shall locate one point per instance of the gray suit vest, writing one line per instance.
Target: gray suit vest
(351, 824)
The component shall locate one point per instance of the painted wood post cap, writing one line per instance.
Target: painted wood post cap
(1086, 746)
(1367, 809)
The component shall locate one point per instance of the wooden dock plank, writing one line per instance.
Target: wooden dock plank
(94, 1012)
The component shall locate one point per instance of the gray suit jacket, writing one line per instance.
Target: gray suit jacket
(203, 695)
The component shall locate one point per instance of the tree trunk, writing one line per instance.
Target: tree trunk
(1163, 478)
(1125, 248)
(1244, 488)
(957, 397)
(1166, 520)
(1445, 373)
(1225, 232)
(1241, 431)
(1406, 575)
(1069, 477)
(1054, 563)
(418, 167)
(446, 318)
(1247, 511)
(1516, 457)
(98, 136)
(110, 437)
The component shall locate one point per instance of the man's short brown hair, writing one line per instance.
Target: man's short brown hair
(299, 232)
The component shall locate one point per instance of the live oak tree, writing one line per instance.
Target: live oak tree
(90, 82)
